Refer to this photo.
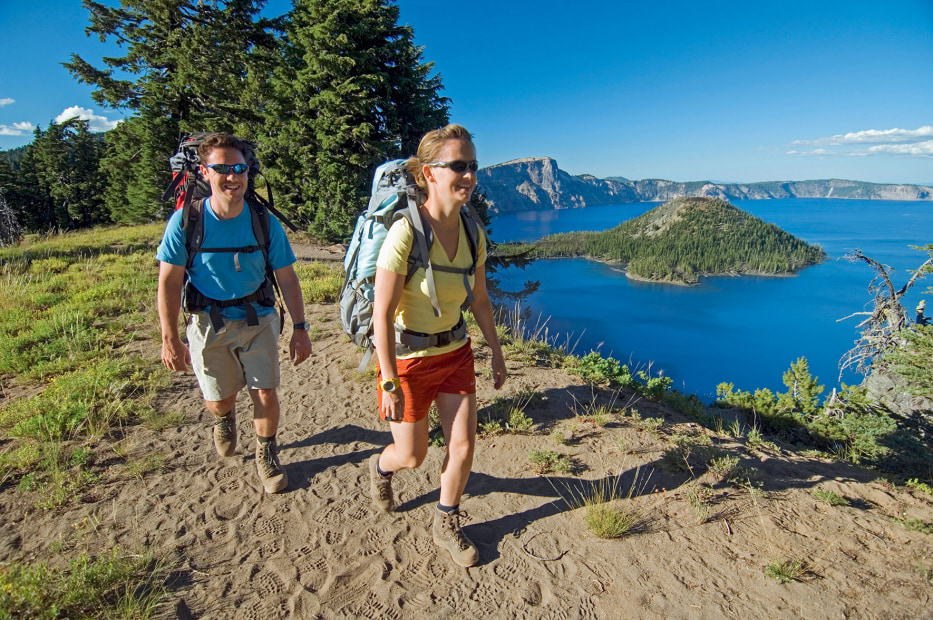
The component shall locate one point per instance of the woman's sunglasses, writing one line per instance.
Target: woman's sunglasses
(458, 166)
(227, 168)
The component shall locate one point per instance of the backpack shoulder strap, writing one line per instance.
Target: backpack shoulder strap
(192, 222)
(421, 250)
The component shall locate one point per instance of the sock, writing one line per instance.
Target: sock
(383, 473)
(448, 509)
(265, 440)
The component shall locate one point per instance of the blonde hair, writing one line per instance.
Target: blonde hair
(431, 143)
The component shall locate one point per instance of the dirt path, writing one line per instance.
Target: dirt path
(322, 550)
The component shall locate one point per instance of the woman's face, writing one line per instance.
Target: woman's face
(443, 183)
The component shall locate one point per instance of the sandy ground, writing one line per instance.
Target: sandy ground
(322, 550)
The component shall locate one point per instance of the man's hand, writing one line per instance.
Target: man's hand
(175, 355)
(299, 349)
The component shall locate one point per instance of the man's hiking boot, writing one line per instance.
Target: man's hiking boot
(448, 535)
(225, 433)
(380, 487)
(274, 479)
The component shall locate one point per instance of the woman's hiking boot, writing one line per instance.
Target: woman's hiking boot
(273, 476)
(448, 535)
(225, 433)
(380, 487)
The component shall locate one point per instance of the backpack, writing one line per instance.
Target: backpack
(395, 195)
(189, 189)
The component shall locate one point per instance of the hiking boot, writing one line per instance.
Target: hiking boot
(225, 433)
(380, 487)
(273, 476)
(448, 535)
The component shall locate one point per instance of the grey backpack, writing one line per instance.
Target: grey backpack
(396, 195)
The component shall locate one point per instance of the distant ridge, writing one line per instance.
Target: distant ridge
(536, 183)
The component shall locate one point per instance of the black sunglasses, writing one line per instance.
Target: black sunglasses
(458, 166)
(228, 168)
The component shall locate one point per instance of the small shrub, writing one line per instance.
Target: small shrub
(725, 467)
(829, 497)
(607, 521)
(923, 487)
(547, 461)
(916, 525)
(698, 497)
(785, 571)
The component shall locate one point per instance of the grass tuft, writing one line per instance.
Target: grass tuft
(829, 497)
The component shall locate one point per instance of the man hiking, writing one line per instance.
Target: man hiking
(227, 284)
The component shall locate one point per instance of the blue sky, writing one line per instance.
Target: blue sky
(718, 90)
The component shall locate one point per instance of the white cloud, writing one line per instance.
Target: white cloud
(6, 101)
(872, 136)
(95, 122)
(16, 129)
(899, 142)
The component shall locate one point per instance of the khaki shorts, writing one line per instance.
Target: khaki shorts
(242, 356)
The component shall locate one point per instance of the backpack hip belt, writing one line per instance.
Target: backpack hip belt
(196, 301)
(408, 341)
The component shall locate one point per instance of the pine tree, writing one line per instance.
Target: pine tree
(64, 163)
(352, 92)
(189, 66)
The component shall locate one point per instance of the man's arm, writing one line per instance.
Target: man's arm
(175, 354)
(299, 349)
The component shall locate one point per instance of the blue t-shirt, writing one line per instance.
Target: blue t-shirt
(215, 274)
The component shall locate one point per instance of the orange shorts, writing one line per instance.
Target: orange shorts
(423, 378)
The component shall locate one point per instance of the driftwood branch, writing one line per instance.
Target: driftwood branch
(879, 332)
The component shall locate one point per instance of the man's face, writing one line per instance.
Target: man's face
(231, 186)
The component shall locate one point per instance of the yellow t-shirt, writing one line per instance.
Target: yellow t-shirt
(414, 310)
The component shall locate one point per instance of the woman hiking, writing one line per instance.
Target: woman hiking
(411, 378)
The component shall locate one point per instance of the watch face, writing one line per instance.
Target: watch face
(388, 385)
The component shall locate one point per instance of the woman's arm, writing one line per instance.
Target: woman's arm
(388, 292)
(482, 312)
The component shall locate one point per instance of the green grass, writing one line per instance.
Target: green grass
(74, 307)
(786, 571)
(111, 585)
(320, 281)
(547, 461)
(507, 414)
(602, 513)
(829, 497)
(923, 487)
(915, 525)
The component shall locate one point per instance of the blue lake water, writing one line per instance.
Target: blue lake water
(744, 330)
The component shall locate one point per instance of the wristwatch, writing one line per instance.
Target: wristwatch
(302, 326)
(390, 385)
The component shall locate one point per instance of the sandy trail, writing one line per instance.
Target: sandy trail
(322, 550)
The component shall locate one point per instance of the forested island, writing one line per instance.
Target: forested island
(682, 240)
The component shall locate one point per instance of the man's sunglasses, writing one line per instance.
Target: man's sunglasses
(227, 168)
(458, 166)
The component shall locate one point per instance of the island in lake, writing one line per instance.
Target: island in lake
(682, 240)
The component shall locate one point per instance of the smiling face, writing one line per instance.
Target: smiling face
(228, 187)
(445, 185)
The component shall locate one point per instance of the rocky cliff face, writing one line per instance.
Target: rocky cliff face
(536, 183)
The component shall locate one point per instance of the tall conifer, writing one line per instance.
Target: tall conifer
(353, 91)
(189, 66)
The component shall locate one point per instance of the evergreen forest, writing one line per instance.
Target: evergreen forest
(682, 240)
(327, 92)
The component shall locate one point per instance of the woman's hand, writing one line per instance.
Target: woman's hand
(499, 370)
(393, 405)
